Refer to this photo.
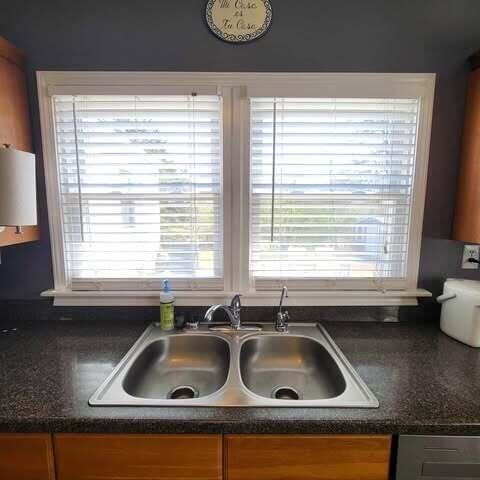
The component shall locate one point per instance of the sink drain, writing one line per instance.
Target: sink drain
(285, 393)
(183, 392)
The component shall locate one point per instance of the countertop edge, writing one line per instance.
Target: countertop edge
(160, 426)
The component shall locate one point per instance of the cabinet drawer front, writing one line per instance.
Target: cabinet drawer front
(307, 457)
(26, 457)
(152, 457)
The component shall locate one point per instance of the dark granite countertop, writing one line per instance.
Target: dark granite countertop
(426, 383)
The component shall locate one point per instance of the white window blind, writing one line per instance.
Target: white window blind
(140, 181)
(331, 188)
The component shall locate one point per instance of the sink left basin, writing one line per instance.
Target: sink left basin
(179, 367)
(167, 369)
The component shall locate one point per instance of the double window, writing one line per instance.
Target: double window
(236, 182)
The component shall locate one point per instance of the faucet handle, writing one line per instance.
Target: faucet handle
(236, 303)
(192, 322)
(281, 322)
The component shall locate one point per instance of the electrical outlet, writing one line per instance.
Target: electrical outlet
(470, 251)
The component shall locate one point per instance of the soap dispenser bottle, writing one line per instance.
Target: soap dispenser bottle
(167, 308)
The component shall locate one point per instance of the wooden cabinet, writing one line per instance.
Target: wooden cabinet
(467, 217)
(307, 457)
(194, 457)
(174, 457)
(26, 457)
(14, 121)
(138, 457)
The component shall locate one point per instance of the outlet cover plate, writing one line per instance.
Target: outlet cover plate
(470, 251)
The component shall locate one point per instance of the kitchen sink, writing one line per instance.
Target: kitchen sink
(290, 367)
(302, 368)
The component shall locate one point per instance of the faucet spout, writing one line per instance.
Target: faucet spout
(282, 318)
(210, 312)
(232, 312)
(283, 297)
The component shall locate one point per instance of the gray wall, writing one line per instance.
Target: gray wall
(307, 35)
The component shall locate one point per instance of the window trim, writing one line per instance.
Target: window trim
(236, 89)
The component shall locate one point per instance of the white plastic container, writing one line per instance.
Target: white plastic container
(461, 310)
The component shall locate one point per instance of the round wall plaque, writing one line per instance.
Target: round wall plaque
(239, 21)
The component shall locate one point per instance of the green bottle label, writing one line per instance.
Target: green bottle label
(167, 316)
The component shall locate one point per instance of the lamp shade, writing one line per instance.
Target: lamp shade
(18, 193)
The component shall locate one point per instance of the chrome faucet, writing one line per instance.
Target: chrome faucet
(232, 311)
(282, 318)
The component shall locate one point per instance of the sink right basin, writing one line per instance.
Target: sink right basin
(290, 368)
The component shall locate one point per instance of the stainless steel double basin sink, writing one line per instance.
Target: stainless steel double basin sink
(301, 368)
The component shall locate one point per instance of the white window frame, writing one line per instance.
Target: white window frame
(236, 89)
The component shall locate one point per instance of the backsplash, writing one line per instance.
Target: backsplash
(43, 310)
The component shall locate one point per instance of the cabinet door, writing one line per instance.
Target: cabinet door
(125, 457)
(14, 113)
(26, 457)
(466, 227)
(307, 457)
(14, 122)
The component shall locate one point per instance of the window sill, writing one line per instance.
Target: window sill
(258, 299)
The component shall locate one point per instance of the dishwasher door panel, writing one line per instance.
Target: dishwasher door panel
(438, 458)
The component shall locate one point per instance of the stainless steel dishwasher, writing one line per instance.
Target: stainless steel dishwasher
(438, 458)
